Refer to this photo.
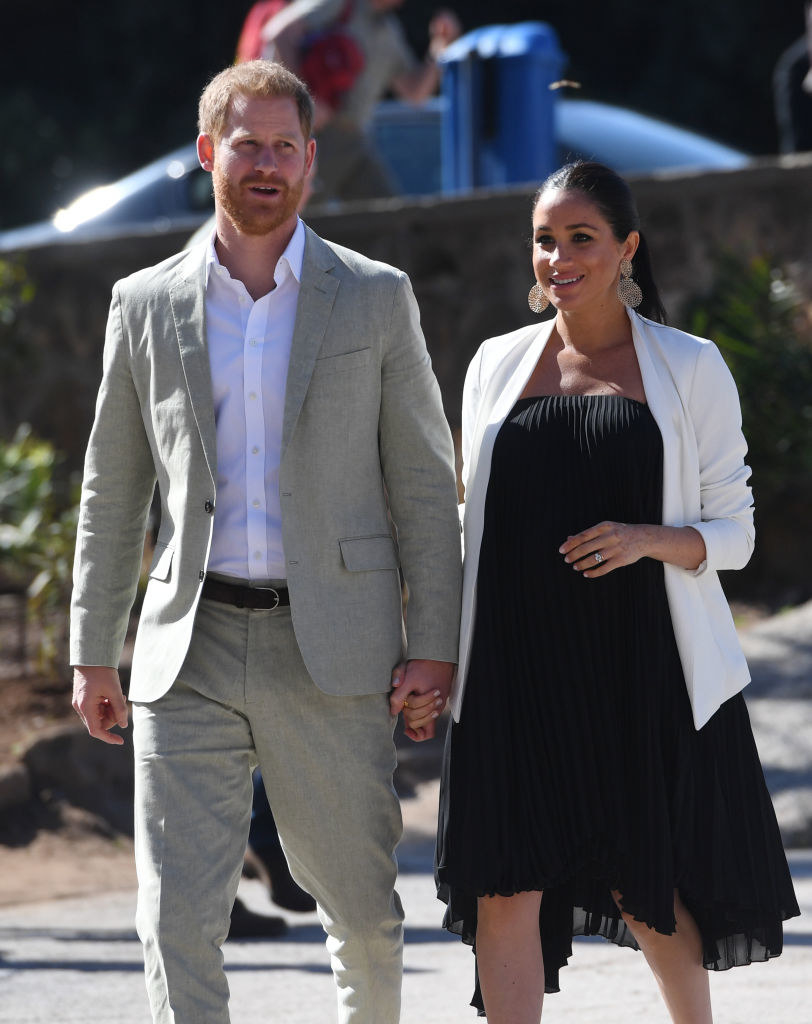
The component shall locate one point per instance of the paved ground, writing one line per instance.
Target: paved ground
(78, 960)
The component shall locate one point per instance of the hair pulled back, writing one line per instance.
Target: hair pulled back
(612, 196)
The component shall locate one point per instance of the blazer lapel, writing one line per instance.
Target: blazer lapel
(316, 297)
(664, 403)
(187, 297)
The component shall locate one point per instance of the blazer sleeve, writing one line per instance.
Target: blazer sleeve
(117, 488)
(726, 500)
(417, 456)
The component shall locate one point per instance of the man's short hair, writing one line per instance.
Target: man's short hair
(263, 78)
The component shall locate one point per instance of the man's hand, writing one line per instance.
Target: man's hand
(420, 689)
(99, 702)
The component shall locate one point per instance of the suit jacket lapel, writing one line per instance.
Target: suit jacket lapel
(187, 297)
(316, 297)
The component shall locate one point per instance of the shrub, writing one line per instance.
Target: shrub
(756, 316)
(38, 516)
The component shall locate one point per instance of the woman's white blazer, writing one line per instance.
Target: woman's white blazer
(693, 399)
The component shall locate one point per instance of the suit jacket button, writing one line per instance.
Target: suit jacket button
(209, 507)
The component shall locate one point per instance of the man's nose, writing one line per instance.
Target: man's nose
(265, 159)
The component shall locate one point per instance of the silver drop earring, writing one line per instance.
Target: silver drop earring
(628, 291)
(537, 300)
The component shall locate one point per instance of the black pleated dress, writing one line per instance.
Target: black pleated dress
(576, 768)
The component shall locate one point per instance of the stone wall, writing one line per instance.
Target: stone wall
(468, 258)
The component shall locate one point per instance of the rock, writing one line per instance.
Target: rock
(793, 808)
(779, 653)
(66, 762)
(15, 787)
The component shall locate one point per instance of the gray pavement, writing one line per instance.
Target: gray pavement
(79, 960)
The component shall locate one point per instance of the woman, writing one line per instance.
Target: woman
(601, 775)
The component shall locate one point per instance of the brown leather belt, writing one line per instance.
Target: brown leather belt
(266, 598)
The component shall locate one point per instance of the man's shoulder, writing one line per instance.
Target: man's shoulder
(149, 279)
(354, 263)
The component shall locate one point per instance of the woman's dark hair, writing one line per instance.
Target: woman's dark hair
(613, 197)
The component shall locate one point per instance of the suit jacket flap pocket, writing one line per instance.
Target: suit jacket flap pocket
(342, 362)
(161, 562)
(368, 554)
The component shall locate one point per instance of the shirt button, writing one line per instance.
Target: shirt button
(253, 341)
(255, 503)
(209, 507)
(252, 395)
(255, 450)
(257, 554)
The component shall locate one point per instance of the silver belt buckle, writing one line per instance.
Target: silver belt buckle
(270, 590)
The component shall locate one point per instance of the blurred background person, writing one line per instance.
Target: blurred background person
(792, 87)
(351, 53)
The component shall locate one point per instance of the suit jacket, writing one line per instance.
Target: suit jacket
(366, 479)
(694, 402)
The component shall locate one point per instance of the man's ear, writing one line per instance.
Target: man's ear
(310, 155)
(205, 151)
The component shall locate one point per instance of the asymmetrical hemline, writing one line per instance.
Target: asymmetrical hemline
(575, 768)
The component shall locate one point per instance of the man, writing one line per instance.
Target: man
(349, 166)
(279, 388)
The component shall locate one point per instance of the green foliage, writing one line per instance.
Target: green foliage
(38, 517)
(757, 318)
(16, 291)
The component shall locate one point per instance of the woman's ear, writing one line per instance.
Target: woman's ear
(630, 245)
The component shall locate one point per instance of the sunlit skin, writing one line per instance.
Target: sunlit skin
(576, 259)
(259, 170)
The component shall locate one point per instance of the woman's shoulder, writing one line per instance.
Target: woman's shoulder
(696, 364)
(670, 338)
(504, 349)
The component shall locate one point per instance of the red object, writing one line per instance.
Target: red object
(249, 46)
(330, 64)
(330, 61)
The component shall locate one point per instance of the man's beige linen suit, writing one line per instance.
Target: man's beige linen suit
(368, 492)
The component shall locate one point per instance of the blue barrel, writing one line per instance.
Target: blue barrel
(498, 119)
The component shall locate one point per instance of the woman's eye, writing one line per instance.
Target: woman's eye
(580, 237)
(545, 240)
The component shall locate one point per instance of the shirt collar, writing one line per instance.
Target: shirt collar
(293, 254)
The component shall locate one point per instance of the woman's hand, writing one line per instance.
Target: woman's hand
(601, 549)
(420, 689)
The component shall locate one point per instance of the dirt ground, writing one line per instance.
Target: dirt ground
(47, 848)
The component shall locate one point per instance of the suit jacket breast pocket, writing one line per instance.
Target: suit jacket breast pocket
(335, 372)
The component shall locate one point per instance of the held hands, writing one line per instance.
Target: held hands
(420, 689)
(607, 546)
(99, 702)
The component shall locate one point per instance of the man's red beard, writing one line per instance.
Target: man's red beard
(251, 218)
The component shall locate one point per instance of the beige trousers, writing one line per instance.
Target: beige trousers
(244, 697)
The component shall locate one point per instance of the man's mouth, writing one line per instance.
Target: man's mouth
(264, 190)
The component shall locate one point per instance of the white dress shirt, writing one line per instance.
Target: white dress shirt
(249, 349)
